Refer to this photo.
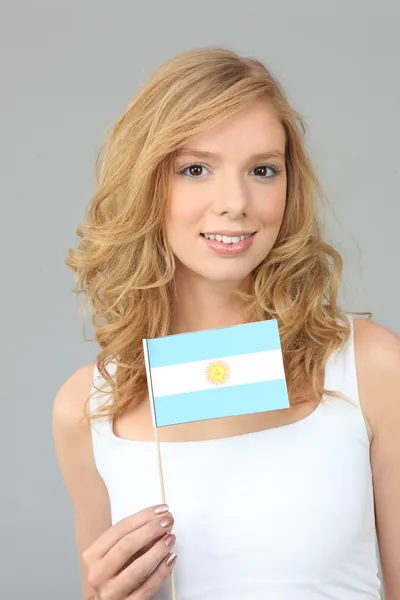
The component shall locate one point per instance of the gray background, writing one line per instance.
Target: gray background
(68, 69)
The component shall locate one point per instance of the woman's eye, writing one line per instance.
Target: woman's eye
(194, 170)
(264, 171)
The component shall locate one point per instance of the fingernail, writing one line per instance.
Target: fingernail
(166, 522)
(171, 560)
(163, 508)
(170, 540)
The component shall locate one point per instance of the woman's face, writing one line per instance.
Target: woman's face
(227, 204)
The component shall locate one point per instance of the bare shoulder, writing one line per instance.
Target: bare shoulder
(76, 461)
(374, 341)
(377, 348)
(377, 352)
(378, 368)
(68, 406)
(72, 432)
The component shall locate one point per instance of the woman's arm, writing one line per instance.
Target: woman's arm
(378, 368)
(74, 452)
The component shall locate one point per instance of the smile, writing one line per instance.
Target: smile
(226, 243)
(226, 239)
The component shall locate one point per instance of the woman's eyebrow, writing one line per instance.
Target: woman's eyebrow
(206, 154)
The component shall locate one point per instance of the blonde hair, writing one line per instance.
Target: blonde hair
(124, 265)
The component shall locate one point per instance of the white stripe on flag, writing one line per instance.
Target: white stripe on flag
(243, 368)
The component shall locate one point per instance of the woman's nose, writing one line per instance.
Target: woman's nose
(232, 199)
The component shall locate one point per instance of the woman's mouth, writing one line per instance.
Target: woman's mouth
(228, 243)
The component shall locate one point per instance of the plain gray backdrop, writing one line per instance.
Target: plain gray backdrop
(69, 69)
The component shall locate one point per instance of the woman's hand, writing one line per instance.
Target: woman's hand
(132, 558)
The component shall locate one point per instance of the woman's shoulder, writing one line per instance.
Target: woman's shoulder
(377, 351)
(70, 399)
(76, 460)
(376, 346)
(377, 356)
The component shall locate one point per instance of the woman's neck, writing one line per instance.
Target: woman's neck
(203, 304)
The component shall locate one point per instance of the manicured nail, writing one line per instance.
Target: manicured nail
(171, 560)
(163, 508)
(166, 522)
(170, 540)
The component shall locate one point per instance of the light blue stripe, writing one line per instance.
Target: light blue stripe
(213, 343)
(221, 402)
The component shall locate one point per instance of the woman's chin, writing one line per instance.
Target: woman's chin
(221, 274)
(229, 276)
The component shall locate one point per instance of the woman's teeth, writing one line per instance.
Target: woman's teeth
(225, 238)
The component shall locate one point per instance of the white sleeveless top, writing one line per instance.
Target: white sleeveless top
(284, 513)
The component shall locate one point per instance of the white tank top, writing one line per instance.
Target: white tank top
(284, 513)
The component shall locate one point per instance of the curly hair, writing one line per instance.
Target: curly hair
(124, 265)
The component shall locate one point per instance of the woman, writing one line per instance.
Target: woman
(206, 217)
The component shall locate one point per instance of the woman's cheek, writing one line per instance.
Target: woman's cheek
(187, 209)
(272, 210)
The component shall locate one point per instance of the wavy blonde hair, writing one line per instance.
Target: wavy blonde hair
(124, 265)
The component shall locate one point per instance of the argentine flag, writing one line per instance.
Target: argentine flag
(215, 373)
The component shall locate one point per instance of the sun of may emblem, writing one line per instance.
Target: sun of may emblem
(217, 372)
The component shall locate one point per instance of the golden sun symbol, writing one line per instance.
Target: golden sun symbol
(217, 372)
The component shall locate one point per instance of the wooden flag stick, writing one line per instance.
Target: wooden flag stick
(153, 414)
(163, 499)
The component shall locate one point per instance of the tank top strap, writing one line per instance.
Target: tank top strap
(341, 375)
(101, 424)
(340, 372)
